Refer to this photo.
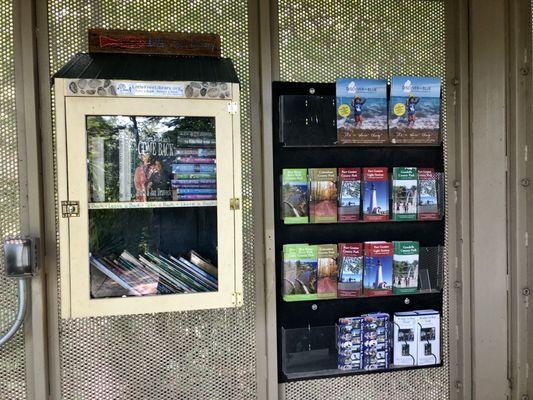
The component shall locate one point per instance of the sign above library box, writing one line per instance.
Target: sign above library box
(142, 185)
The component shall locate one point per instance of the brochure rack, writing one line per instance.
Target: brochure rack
(305, 329)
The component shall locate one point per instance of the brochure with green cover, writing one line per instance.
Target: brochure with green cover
(300, 272)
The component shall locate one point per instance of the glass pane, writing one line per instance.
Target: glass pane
(152, 205)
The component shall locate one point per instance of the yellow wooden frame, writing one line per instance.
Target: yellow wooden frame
(71, 115)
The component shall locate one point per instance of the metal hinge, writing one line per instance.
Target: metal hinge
(70, 209)
(234, 204)
(233, 107)
(236, 299)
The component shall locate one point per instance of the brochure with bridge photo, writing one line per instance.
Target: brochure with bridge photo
(300, 272)
(294, 196)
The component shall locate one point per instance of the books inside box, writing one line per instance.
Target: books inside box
(153, 255)
(138, 158)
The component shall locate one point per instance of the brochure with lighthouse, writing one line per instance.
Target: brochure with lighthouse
(404, 193)
(376, 194)
(405, 267)
(377, 276)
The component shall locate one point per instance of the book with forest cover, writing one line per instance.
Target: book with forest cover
(327, 271)
(322, 195)
(131, 157)
(361, 111)
(428, 205)
(414, 115)
(294, 196)
(350, 270)
(300, 272)
(404, 193)
(349, 194)
(405, 267)
(377, 276)
(375, 194)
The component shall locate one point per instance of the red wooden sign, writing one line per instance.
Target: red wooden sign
(144, 42)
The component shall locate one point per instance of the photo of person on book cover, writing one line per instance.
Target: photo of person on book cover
(131, 157)
(361, 111)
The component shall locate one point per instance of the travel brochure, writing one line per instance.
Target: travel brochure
(331, 195)
(137, 158)
(346, 270)
(366, 115)
(153, 273)
(375, 342)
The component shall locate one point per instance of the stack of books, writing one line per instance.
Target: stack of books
(152, 273)
(194, 169)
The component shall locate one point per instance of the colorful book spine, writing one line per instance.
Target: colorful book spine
(195, 160)
(322, 195)
(195, 142)
(349, 343)
(183, 182)
(377, 275)
(351, 270)
(327, 271)
(376, 341)
(294, 196)
(405, 267)
(300, 269)
(349, 194)
(195, 191)
(195, 175)
(190, 168)
(428, 205)
(376, 194)
(196, 134)
(194, 152)
(185, 197)
(404, 193)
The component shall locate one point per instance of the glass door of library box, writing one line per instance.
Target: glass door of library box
(152, 209)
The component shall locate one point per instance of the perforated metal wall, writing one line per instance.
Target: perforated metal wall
(321, 40)
(12, 355)
(190, 355)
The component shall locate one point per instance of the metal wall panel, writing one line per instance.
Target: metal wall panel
(321, 40)
(12, 355)
(189, 355)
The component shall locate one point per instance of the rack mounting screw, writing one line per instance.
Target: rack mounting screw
(312, 90)
(459, 384)
(526, 291)
(524, 182)
(457, 285)
(314, 307)
(407, 301)
(524, 397)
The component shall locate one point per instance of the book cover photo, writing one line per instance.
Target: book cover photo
(414, 110)
(404, 193)
(405, 267)
(322, 195)
(377, 275)
(133, 158)
(361, 111)
(349, 194)
(351, 270)
(376, 194)
(294, 196)
(300, 270)
(428, 205)
(327, 271)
